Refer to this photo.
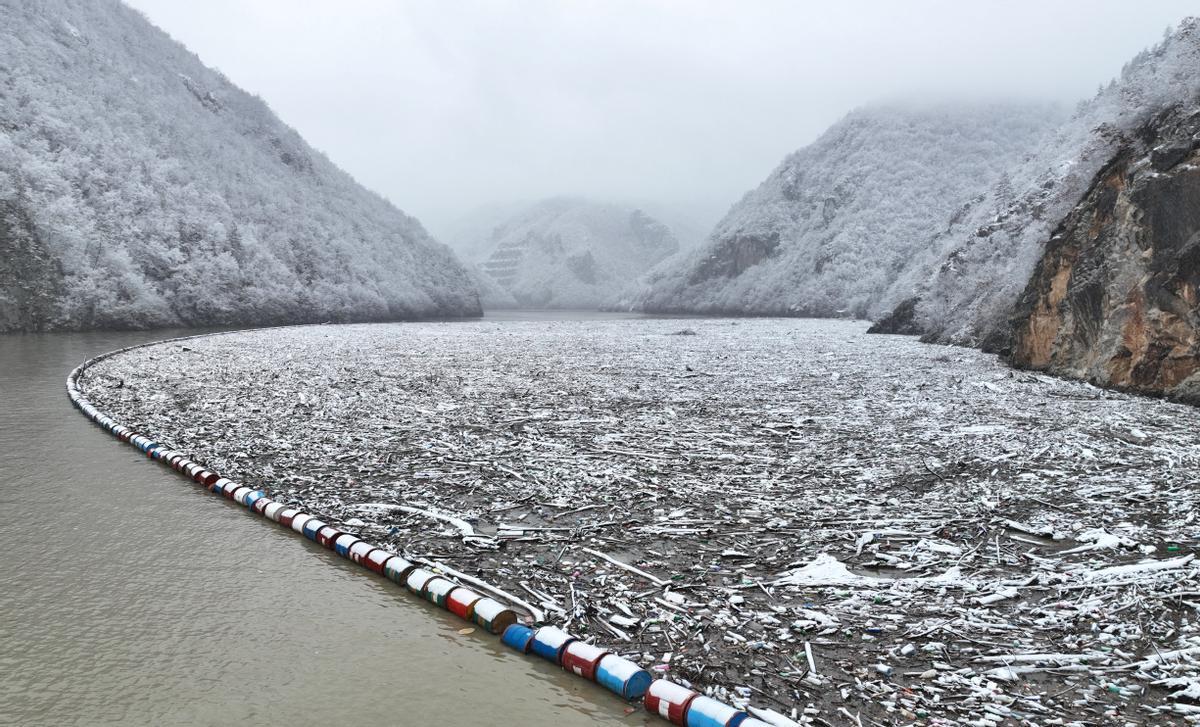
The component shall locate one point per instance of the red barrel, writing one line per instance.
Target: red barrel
(328, 535)
(360, 550)
(377, 559)
(461, 602)
(669, 700)
(261, 504)
(581, 659)
(287, 515)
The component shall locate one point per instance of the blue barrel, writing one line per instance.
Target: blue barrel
(311, 527)
(252, 498)
(549, 642)
(343, 543)
(708, 712)
(623, 677)
(518, 637)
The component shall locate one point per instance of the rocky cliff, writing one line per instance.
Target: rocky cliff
(1114, 297)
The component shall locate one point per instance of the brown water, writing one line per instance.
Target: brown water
(128, 596)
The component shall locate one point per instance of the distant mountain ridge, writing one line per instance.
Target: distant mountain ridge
(139, 188)
(568, 252)
(837, 226)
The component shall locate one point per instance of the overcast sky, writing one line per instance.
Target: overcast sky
(448, 106)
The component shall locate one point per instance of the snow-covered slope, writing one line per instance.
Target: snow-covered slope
(985, 262)
(140, 188)
(571, 253)
(837, 225)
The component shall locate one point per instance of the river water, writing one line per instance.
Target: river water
(129, 596)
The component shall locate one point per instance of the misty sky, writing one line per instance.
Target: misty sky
(448, 106)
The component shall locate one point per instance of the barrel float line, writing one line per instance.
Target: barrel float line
(619, 675)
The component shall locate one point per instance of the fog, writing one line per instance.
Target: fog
(682, 106)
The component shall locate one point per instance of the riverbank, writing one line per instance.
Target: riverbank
(781, 510)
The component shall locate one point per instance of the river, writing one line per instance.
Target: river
(129, 596)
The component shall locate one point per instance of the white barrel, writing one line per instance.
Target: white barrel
(272, 511)
(298, 521)
(239, 495)
(417, 579)
(359, 550)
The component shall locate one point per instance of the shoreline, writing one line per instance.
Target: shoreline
(751, 615)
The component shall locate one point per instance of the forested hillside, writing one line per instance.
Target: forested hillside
(837, 226)
(139, 188)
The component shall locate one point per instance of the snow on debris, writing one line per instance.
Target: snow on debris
(833, 526)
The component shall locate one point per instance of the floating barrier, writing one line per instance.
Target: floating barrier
(438, 589)
(518, 637)
(415, 580)
(494, 616)
(615, 673)
(708, 712)
(461, 602)
(398, 569)
(623, 677)
(359, 552)
(549, 642)
(327, 535)
(669, 700)
(377, 560)
(581, 659)
(343, 543)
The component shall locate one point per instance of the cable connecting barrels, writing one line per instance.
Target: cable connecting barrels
(621, 676)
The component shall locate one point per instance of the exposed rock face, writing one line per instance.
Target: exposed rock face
(1114, 297)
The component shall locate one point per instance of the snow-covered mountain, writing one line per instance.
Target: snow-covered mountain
(985, 262)
(140, 188)
(837, 226)
(571, 253)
